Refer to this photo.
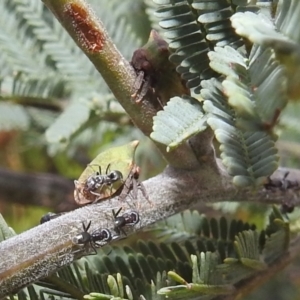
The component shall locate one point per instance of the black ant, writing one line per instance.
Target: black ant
(49, 216)
(282, 184)
(97, 180)
(129, 218)
(96, 239)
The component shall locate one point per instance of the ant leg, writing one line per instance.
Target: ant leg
(79, 250)
(145, 87)
(134, 189)
(120, 230)
(284, 181)
(128, 201)
(99, 195)
(142, 188)
(123, 231)
(96, 200)
(126, 188)
(96, 194)
(94, 248)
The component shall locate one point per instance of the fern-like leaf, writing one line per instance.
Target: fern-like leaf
(202, 282)
(277, 237)
(193, 28)
(186, 113)
(247, 249)
(282, 39)
(215, 17)
(248, 155)
(186, 40)
(252, 107)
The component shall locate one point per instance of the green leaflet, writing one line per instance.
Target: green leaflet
(116, 289)
(287, 19)
(181, 119)
(250, 85)
(257, 27)
(265, 80)
(202, 282)
(277, 236)
(247, 248)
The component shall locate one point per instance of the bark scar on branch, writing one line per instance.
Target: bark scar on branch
(91, 38)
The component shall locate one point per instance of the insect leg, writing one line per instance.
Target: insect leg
(142, 188)
(93, 247)
(138, 84)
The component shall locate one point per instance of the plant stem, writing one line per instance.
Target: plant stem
(91, 36)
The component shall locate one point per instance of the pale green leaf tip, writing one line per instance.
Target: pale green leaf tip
(173, 275)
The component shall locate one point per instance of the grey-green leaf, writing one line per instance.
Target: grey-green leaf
(181, 119)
